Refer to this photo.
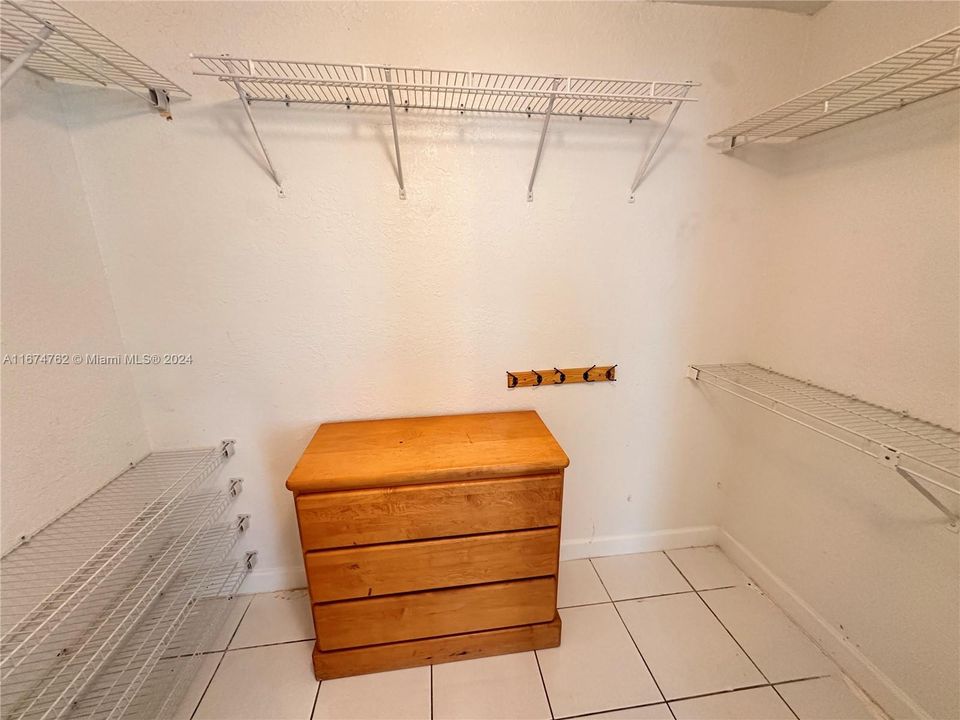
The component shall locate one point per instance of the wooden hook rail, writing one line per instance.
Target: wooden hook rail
(561, 376)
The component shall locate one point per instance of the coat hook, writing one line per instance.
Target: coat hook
(539, 376)
(586, 375)
(609, 374)
(562, 374)
(513, 379)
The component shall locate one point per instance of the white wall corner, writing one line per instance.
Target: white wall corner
(878, 686)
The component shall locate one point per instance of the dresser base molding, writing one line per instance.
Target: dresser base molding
(433, 651)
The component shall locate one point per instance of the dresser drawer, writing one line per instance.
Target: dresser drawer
(416, 512)
(394, 618)
(425, 565)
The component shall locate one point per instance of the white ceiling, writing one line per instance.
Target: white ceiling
(800, 7)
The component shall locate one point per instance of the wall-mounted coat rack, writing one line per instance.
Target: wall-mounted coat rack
(453, 90)
(53, 42)
(561, 376)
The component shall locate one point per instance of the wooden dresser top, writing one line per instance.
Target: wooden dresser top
(407, 451)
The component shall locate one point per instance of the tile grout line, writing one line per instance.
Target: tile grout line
(209, 683)
(313, 710)
(544, 684)
(633, 640)
(742, 649)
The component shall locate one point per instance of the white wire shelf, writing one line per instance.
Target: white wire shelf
(191, 607)
(920, 72)
(115, 568)
(460, 91)
(48, 39)
(161, 693)
(919, 451)
(67, 557)
(56, 672)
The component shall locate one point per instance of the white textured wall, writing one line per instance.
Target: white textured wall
(66, 430)
(342, 301)
(860, 288)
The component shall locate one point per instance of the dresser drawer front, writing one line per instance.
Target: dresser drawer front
(419, 512)
(430, 564)
(394, 618)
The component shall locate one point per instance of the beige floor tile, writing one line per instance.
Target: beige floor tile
(394, 695)
(687, 649)
(275, 682)
(641, 575)
(756, 704)
(774, 643)
(707, 568)
(597, 667)
(502, 687)
(579, 585)
(275, 618)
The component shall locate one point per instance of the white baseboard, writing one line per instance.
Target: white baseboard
(576, 549)
(276, 578)
(875, 683)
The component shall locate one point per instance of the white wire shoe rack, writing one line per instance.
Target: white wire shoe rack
(456, 91)
(925, 455)
(920, 72)
(136, 573)
(48, 39)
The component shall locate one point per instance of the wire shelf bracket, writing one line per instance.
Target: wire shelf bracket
(48, 39)
(392, 88)
(923, 454)
(920, 72)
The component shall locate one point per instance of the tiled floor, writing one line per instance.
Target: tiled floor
(655, 636)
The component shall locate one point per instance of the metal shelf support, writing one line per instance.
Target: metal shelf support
(396, 136)
(543, 137)
(645, 165)
(20, 60)
(271, 171)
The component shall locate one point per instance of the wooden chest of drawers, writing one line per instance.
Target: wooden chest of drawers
(427, 540)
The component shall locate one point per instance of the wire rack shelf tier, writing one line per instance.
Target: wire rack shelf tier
(191, 610)
(921, 452)
(430, 89)
(133, 542)
(460, 91)
(66, 559)
(920, 72)
(48, 39)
